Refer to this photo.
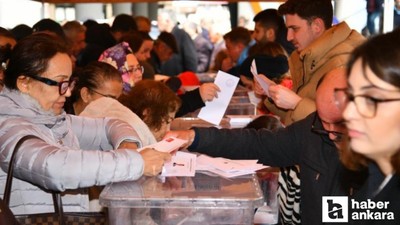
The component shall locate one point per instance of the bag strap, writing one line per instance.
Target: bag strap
(58, 208)
(7, 190)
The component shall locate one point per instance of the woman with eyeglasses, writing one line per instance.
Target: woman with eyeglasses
(67, 152)
(98, 87)
(371, 105)
(121, 57)
(95, 80)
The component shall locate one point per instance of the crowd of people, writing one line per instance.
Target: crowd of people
(91, 94)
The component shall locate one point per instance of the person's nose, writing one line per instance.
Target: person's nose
(289, 35)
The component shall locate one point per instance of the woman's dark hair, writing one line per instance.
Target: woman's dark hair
(135, 39)
(31, 55)
(381, 54)
(155, 97)
(6, 33)
(93, 76)
(5, 53)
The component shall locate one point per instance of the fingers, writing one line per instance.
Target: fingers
(209, 91)
(154, 161)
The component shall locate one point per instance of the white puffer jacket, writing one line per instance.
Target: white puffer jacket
(71, 152)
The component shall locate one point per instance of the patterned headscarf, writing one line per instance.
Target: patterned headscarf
(116, 56)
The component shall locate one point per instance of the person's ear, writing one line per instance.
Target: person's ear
(146, 115)
(85, 95)
(270, 34)
(318, 26)
(23, 84)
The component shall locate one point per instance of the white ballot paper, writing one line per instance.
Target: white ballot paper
(182, 164)
(264, 85)
(227, 167)
(215, 109)
(167, 145)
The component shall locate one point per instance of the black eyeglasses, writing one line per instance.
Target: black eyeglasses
(365, 105)
(104, 95)
(132, 69)
(62, 86)
(338, 135)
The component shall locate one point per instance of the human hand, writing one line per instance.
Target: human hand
(128, 145)
(258, 90)
(208, 91)
(153, 161)
(187, 135)
(283, 97)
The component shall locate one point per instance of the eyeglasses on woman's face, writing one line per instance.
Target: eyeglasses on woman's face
(133, 69)
(337, 135)
(63, 86)
(366, 105)
(104, 95)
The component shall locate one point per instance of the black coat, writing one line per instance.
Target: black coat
(321, 171)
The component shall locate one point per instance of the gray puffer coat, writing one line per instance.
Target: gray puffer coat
(70, 153)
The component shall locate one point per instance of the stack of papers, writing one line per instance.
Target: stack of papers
(227, 167)
(185, 164)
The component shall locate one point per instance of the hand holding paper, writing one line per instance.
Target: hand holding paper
(169, 145)
(284, 97)
(215, 109)
(262, 83)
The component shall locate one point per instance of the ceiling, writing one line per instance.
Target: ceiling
(115, 1)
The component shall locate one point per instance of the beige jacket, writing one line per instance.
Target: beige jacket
(328, 52)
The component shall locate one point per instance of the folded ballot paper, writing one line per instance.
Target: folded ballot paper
(264, 85)
(227, 168)
(167, 145)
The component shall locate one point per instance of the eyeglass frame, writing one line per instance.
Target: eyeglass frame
(168, 119)
(104, 95)
(50, 82)
(126, 69)
(338, 135)
(351, 98)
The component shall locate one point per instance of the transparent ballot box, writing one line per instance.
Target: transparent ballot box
(203, 199)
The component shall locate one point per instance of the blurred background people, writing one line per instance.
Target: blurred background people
(238, 42)
(185, 59)
(374, 12)
(143, 23)
(21, 30)
(203, 46)
(75, 33)
(122, 24)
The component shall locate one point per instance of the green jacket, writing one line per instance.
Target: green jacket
(328, 52)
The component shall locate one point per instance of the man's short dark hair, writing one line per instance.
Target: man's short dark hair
(123, 23)
(269, 18)
(309, 10)
(238, 35)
